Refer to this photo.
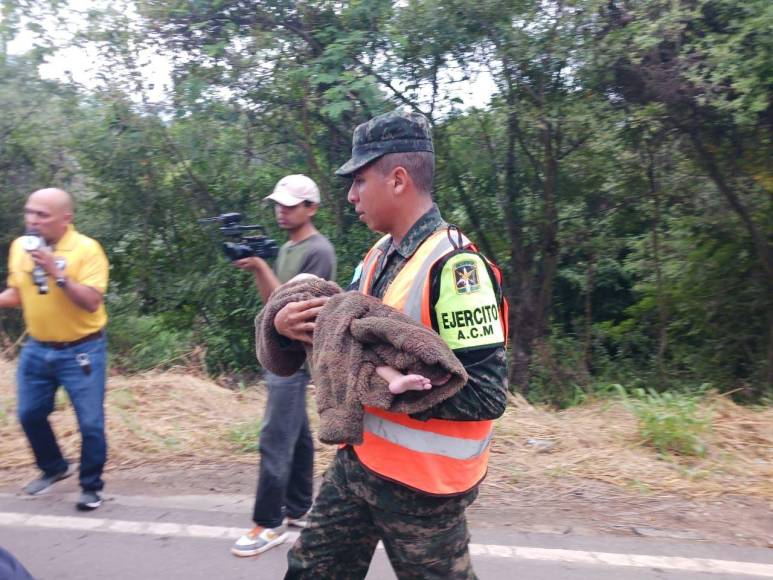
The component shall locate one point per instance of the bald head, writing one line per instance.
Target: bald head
(49, 211)
(56, 199)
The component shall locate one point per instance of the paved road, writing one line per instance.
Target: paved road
(169, 537)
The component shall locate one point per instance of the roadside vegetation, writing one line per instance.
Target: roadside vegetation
(672, 422)
(617, 166)
(648, 446)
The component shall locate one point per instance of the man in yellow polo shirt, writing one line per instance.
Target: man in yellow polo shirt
(58, 277)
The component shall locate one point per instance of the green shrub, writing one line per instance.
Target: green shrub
(671, 422)
(246, 436)
(558, 377)
(140, 343)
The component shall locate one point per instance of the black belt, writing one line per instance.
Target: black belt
(63, 345)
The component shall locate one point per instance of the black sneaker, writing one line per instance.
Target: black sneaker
(43, 484)
(89, 500)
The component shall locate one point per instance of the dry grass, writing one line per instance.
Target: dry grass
(181, 418)
(158, 416)
(600, 441)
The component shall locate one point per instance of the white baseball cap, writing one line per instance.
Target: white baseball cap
(294, 189)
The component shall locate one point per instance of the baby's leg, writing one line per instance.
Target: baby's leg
(409, 383)
(399, 383)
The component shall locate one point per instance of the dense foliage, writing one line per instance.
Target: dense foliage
(620, 171)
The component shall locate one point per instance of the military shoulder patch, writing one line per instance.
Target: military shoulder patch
(467, 309)
(466, 277)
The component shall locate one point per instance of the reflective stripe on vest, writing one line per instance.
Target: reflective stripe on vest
(426, 441)
(439, 457)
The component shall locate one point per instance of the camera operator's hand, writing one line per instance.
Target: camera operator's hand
(251, 264)
(297, 320)
(44, 258)
(265, 279)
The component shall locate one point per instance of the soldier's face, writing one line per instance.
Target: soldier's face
(371, 195)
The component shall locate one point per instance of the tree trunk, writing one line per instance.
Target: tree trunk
(769, 377)
(466, 200)
(330, 197)
(590, 281)
(762, 246)
(548, 238)
(656, 254)
(520, 265)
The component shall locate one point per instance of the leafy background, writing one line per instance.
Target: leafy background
(619, 171)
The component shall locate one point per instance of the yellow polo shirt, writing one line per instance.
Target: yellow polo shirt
(53, 316)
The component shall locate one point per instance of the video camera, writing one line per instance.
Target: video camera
(240, 246)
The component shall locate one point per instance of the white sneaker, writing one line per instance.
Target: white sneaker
(89, 500)
(299, 522)
(258, 541)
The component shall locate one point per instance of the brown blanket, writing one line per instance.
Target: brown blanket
(276, 353)
(354, 334)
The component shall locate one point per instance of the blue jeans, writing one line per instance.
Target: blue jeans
(285, 479)
(42, 369)
(11, 568)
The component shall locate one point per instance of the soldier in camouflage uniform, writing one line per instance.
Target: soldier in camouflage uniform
(425, 535)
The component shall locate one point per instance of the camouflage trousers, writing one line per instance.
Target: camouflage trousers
(425, 537)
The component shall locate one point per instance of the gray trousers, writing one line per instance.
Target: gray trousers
(285, 479)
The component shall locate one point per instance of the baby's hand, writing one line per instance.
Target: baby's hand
(409, 383)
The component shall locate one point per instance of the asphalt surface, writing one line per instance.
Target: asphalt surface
(168, 537)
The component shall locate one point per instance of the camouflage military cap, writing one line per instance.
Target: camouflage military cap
(395, 132)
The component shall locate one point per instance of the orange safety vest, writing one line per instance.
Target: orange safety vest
(438, 456)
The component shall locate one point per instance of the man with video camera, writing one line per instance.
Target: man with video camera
(58, 277)
(285, 480)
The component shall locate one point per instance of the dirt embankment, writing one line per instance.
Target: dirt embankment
(582, 470)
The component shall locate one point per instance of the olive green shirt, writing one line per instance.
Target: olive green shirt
(314, 255)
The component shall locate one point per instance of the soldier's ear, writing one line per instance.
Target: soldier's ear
(400, 178)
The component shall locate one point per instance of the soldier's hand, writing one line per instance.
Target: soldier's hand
(297, 320)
